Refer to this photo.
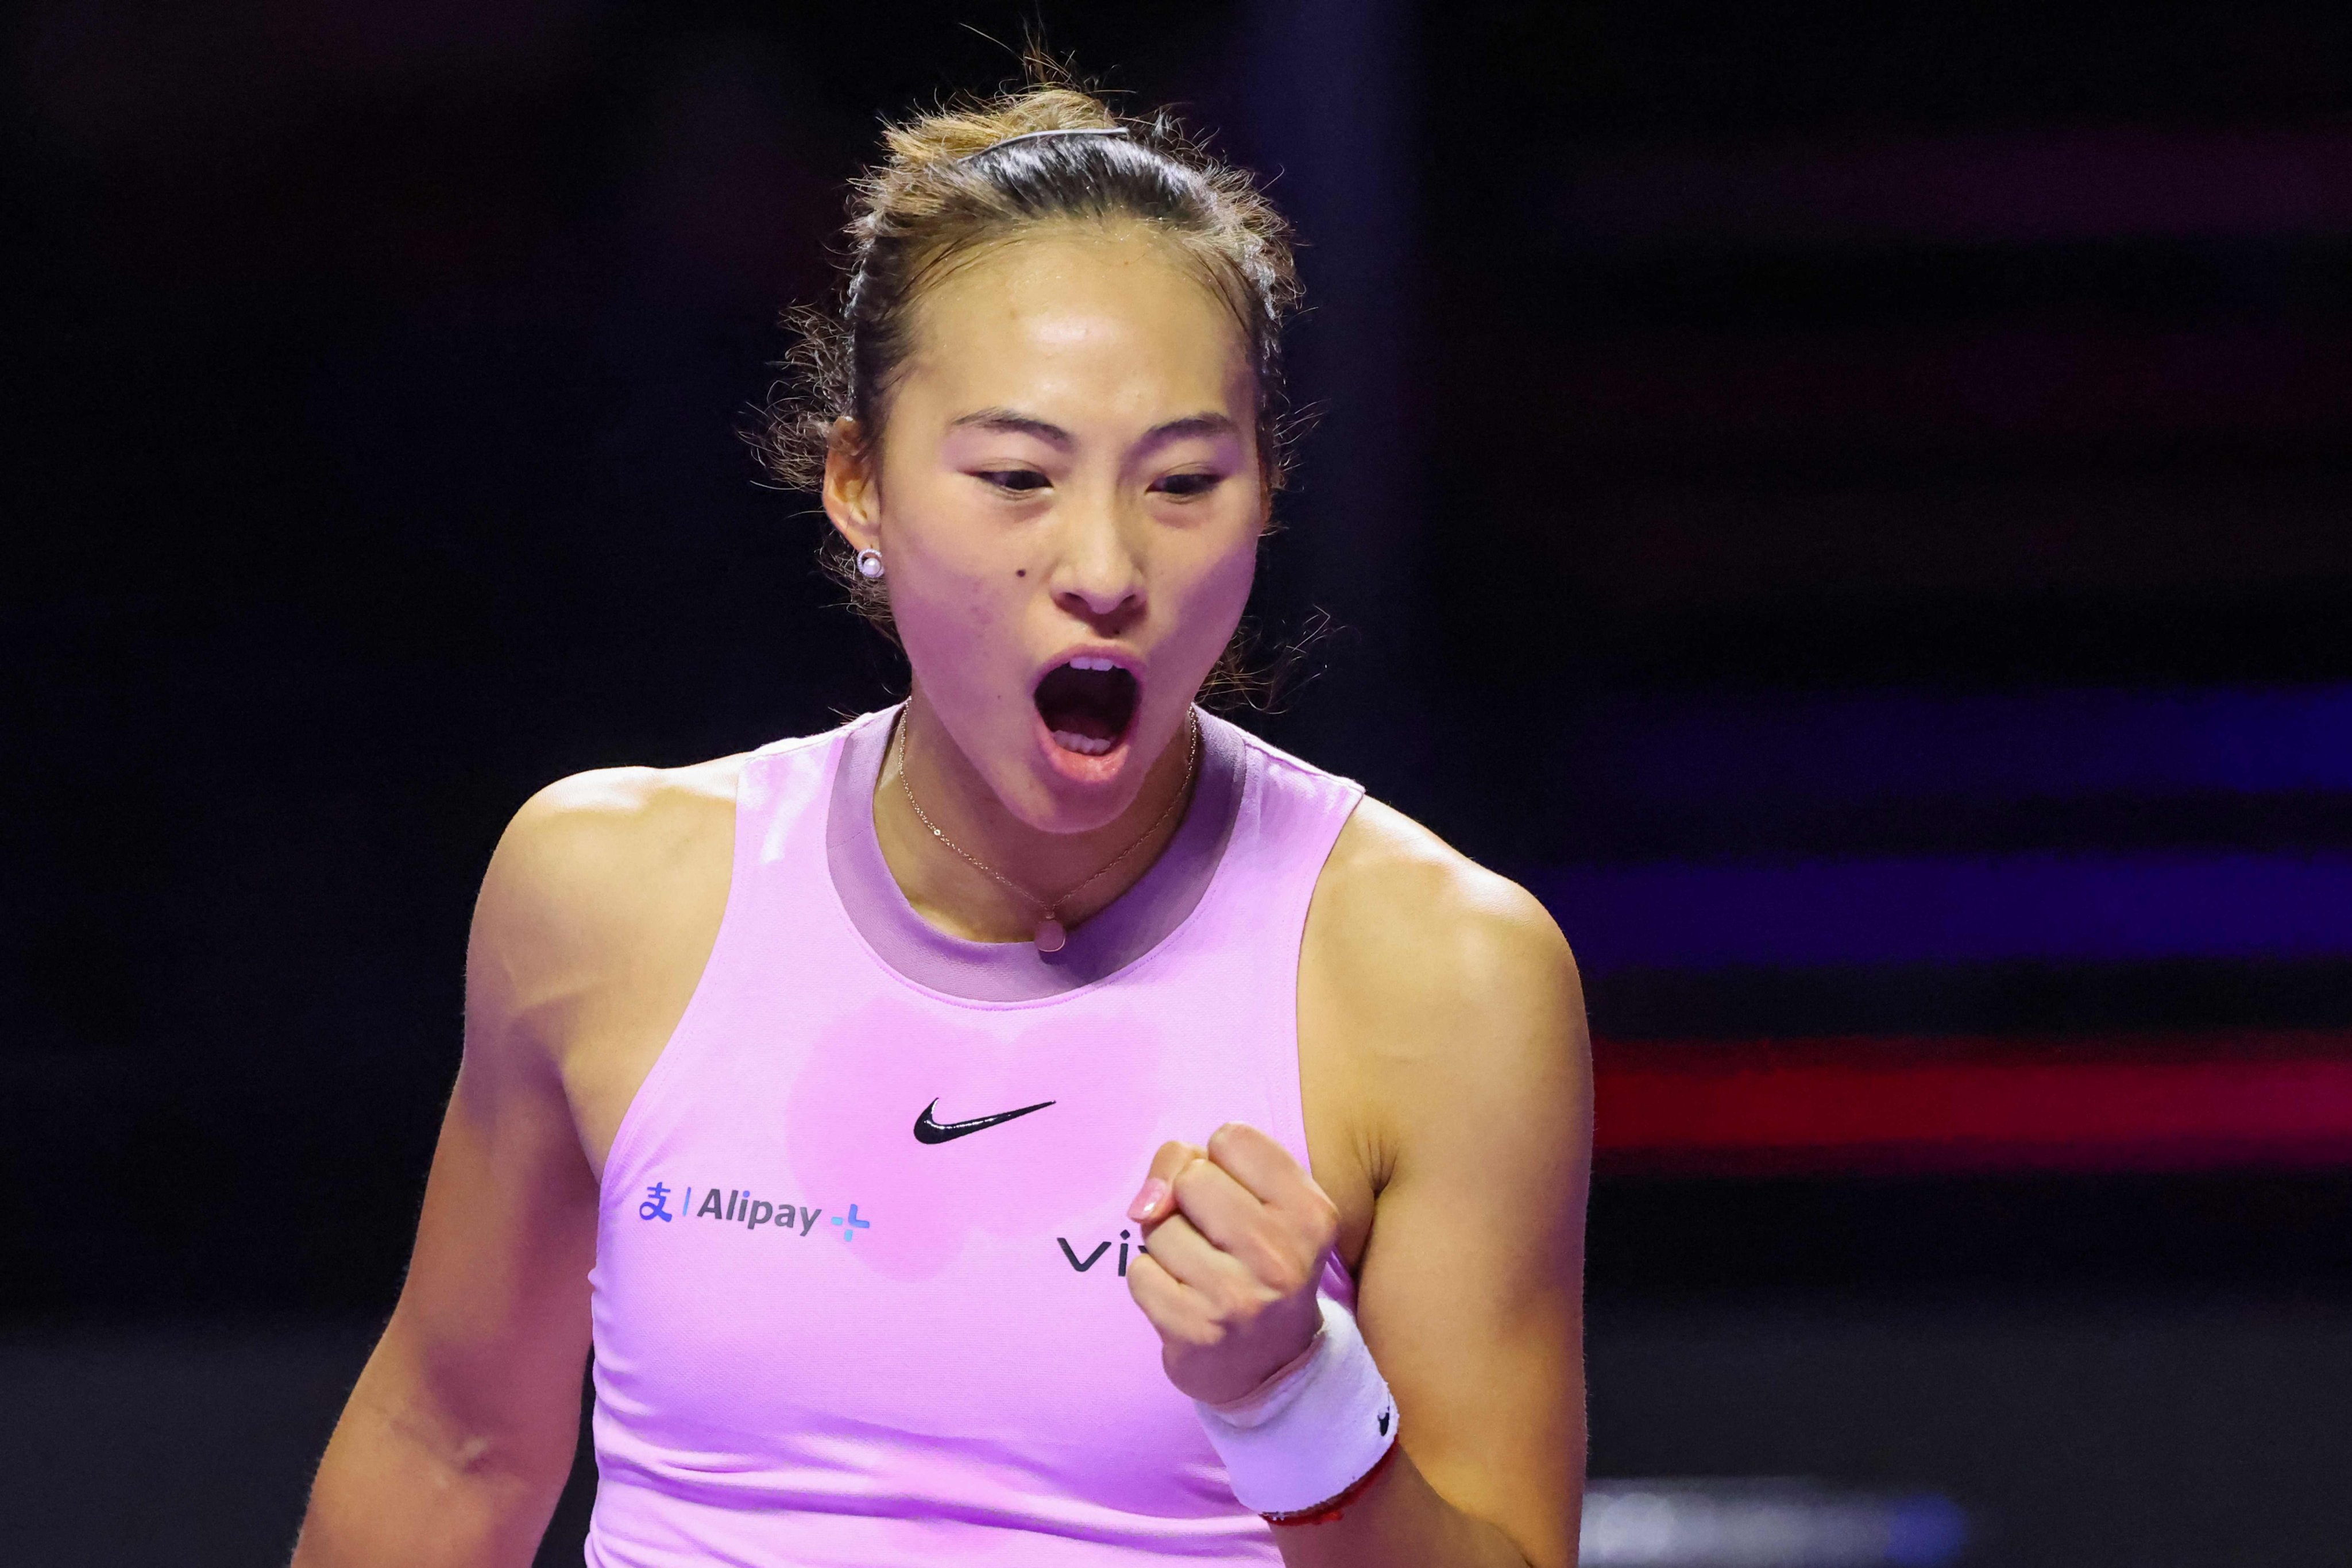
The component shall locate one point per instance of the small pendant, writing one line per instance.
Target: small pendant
(1050, 934)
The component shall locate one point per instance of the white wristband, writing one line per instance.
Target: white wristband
(1313, 1430)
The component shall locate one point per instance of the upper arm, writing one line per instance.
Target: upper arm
(1455, 1004)
(598, 904)
(482, 1359)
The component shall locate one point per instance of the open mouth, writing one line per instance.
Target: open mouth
(1086, 705)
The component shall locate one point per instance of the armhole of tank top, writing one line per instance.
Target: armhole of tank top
(745, 846)
(1287, 1091)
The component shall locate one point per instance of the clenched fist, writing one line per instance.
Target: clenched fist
(1236, 1233)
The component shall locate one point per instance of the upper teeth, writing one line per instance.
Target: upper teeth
(1092, 663)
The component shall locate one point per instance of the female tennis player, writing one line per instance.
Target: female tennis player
(1038, 1123)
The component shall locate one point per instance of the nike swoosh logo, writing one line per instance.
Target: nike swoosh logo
(930, 1131)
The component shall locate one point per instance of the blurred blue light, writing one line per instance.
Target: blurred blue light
(1974, 910)
(1764, 1525)
(1926, 1531)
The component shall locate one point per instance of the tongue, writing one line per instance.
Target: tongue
(1075, 722)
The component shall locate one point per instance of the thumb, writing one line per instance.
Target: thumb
(1157, 1199)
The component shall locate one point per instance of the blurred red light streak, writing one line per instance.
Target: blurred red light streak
(1929, 1104)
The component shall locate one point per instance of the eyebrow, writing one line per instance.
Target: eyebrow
(1010, 422)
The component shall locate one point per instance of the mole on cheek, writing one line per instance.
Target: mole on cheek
(1021, 571)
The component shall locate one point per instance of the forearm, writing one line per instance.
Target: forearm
(1399, 1521)
(403, 1484)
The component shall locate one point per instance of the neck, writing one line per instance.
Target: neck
(960, 899)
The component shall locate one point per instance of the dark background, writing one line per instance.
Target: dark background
(373, 459)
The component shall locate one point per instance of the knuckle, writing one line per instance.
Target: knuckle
(1270, 1264)
(1234, 1141)
(1253, 1301)
(1204, 1333)
(1232, 1303)
(1285, 1278)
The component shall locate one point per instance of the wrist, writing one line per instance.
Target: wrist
(1274, 1390)
(1312, 1432)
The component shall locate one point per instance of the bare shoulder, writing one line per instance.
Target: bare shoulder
(603, 830)
(1443, 1003)
(589, 855)
(597, 876)
(1409, 923)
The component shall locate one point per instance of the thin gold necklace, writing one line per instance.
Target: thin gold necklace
(1050, 932)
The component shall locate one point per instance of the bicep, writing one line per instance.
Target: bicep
(1473, 1277)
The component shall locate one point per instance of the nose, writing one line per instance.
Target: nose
(1099, 578)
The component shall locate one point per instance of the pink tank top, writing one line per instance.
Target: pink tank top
(858, 1293)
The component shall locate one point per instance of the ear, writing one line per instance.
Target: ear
(852, 497)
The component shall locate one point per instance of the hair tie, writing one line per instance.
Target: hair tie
(1033, 135)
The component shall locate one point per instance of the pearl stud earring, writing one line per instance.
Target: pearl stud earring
(869, 564)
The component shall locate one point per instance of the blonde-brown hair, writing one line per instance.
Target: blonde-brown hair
(948, 184)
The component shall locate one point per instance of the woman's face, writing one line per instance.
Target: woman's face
(1069, 506)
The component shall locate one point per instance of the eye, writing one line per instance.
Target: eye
(1019, 481)
(1186, 486)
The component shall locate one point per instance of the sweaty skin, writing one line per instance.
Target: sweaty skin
(1068, 464)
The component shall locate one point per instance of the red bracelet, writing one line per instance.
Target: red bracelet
(1324, 1512)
